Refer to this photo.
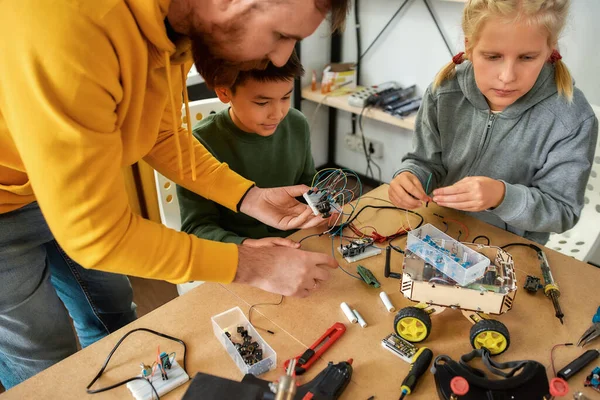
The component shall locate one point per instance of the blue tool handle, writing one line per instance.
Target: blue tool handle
(596, 318)
(420, 365)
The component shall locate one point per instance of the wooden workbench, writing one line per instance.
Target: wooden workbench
(299, 322)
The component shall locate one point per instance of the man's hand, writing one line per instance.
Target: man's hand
(407, 192)
(282, 270)
(270, 242)
(278, 208)
(473, 193)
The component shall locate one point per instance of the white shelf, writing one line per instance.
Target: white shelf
(341, 103)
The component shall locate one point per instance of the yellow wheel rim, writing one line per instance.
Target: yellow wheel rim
(493, 341)
(412, 329)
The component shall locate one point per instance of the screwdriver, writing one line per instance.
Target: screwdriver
(420, 364)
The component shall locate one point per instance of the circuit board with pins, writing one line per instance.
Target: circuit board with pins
(359, 249)
(367, 276)
(400, 347)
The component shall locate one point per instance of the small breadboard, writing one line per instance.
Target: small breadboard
(312, 200)
(320, 203)
(143, 391)
(369, 251)
(400, 347)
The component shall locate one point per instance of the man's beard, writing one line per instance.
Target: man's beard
(215, 70)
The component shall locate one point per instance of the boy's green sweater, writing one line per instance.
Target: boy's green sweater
(282, 159)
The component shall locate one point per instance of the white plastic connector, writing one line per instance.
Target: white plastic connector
(348, 312)
(361, 320)
(387, 302)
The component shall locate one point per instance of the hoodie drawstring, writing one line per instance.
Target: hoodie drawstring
(175, 122)
(188, 121)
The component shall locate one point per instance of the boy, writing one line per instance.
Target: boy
(262, 139)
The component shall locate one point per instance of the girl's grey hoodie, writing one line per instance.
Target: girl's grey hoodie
(540, 147)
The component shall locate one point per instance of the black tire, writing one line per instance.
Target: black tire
(498, 338)
(419, 320)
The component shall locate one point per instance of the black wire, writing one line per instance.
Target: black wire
(309, 236)
(135, 378)
(378, 170)
(398, 249)
(531, 246)
(263, 304)
(367, 154)
(483, 237)
(438, 27)
(104, 389)
(348, 273)
(323, 233)
(358, 43)
(364, 143)
(358, 51)
(383, 30)
(385, 207)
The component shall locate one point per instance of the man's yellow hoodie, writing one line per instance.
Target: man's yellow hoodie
(87, 87)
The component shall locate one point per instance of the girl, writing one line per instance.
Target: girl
(502, 133)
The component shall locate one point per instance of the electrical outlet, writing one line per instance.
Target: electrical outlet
(350, 141)
(354, 143)
(375, 148)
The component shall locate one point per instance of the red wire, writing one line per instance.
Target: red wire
(368, 226)
(355, 230)
(376, 236)
(552, 355)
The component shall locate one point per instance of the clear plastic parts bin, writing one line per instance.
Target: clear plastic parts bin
(452, 258)
(229, 321)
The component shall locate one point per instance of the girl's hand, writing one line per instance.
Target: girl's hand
(473, 193)
(407, 192)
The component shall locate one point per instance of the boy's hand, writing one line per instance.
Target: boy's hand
(278, 208)
(473, 193)
(270, 242)
(407, 192)
(281, 270)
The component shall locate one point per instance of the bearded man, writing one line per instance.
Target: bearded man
(88, 87)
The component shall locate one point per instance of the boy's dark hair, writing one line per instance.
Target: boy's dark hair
(291, 70)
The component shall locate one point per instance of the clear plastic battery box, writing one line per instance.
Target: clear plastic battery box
(455, 260)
